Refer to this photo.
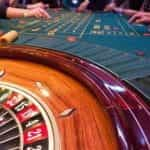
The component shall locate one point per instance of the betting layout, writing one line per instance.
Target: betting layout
(65, 23)
(24, 124)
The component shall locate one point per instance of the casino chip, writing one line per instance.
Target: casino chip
(22, 22)
(36, 29)
(140, 53)
(146, 34)
(71, 38)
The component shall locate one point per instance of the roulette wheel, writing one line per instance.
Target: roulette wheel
(51, 100)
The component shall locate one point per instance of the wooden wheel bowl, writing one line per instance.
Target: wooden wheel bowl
(72, 103)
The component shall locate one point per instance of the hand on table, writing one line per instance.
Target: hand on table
(83, 6)
(140, 17)
(38, 13)
(127, 12)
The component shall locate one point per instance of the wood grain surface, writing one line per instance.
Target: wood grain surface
(83, 123)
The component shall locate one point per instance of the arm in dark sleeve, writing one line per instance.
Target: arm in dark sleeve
(3, 9)
(118, 2)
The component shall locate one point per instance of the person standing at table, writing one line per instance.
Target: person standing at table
(124, 4)
(142, 16)
(138, 10)
(7, 10)
(93, 5)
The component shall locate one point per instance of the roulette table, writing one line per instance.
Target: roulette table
(76, 81)
(51, 100)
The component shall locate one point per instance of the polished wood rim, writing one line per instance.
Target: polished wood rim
(119, 100)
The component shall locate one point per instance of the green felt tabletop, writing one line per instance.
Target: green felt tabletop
(106, 39)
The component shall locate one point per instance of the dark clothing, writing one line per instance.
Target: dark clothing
(3, 8)
(118, 2)
(4, 5)
(94, 4)
(53, 3)
(146, 5)
(129, 4)
(135, 4)
(24, 2)
(98, 4)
